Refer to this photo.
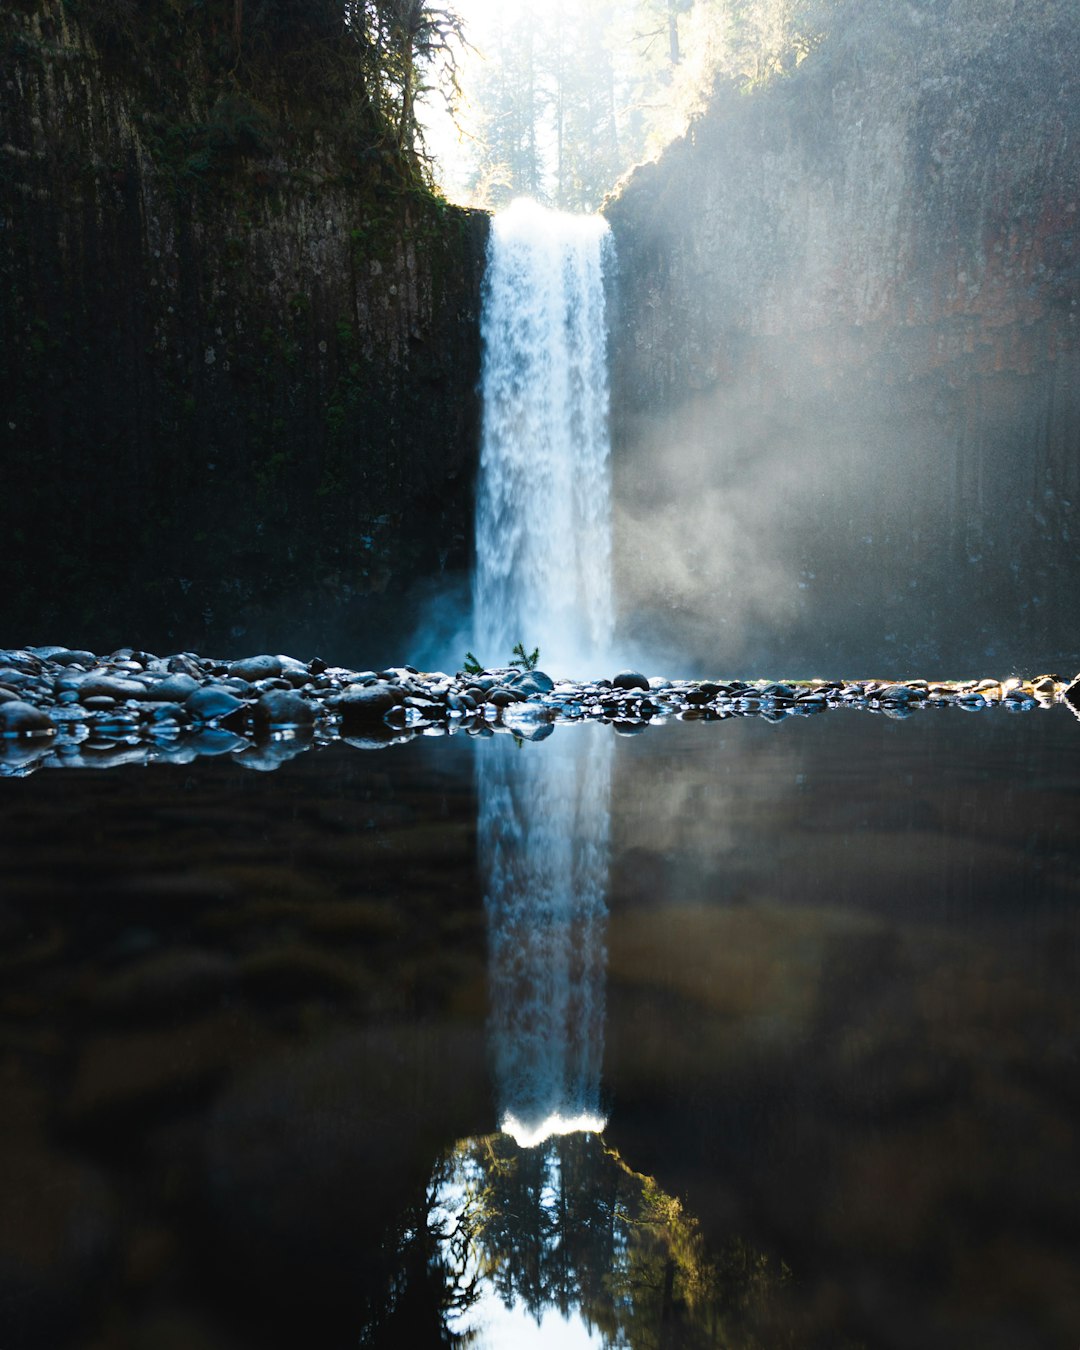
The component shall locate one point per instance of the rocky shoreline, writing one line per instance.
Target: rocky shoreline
(62, 707)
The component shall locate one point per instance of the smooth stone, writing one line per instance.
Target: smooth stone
(106, 686)
(532, 682)
(173, 688)
(234, 684)
(98, 702)
(366, 703)
(255, 668)
(283, 708)
(16, 679)
(502, 698)
(267, 686)
(186, 663)
(75, 658)
(212, 702)
(23, 719)
(897, 693)
(168, 712)
(9, 696)
(294, 672)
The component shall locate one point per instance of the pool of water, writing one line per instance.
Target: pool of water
(728, 1033)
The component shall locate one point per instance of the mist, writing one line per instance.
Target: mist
(845, 366)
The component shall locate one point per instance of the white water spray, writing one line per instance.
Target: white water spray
(543, 516)
(544, 825)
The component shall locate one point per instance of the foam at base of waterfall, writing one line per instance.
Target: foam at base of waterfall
(526, 1136)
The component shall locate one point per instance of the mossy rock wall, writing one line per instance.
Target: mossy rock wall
(239, 363)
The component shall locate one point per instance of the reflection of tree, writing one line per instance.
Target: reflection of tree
(568, 1226)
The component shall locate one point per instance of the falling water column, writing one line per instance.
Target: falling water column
(543, 518)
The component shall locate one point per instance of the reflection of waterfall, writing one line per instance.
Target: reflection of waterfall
(544, 821)
(543, 514)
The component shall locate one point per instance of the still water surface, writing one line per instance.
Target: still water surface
(725, 1034)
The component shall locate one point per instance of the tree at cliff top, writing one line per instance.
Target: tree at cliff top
(561, 101)
(350, 70)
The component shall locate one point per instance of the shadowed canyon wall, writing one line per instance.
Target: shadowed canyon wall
(846, 384)
(239, 341)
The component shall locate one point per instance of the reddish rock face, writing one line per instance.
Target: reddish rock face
(848, 351)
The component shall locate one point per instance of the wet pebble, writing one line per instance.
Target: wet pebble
(266, 709)
(23, 719)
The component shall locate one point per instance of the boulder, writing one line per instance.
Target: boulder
(283, 708)
(256, 668)
(366, 703)
(119, 687)
(23, 719)
(172, 689)
(213, 702)
(532, 682)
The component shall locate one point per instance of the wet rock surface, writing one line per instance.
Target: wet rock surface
(65, 708)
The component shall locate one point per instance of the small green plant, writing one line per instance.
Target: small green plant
(524, 660)
(472, 665)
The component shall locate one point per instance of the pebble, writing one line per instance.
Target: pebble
(23, 719)
(283, 708)
(212, 703)
(134, 707)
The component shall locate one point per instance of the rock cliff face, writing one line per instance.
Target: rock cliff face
(846, 379)
(240, 354)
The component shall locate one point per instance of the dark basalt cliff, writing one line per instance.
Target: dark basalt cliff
(240, 347)
(847, 355)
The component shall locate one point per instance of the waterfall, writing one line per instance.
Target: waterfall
(543, 516)
(544, 821)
